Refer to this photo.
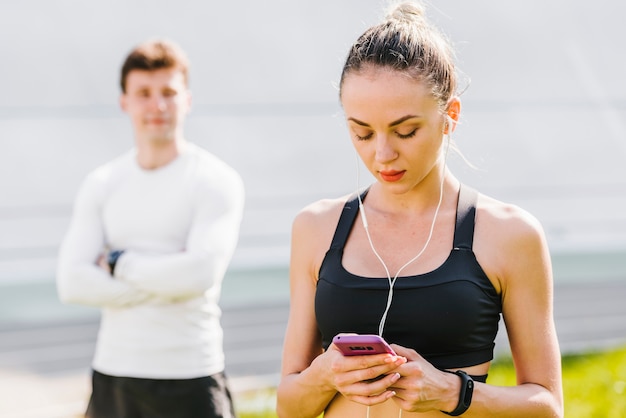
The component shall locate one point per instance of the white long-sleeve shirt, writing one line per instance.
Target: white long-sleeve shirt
(178, 226)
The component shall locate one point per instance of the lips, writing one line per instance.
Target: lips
(391, 175)
(157, 119)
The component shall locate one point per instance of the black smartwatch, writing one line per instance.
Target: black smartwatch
(112, 259)
(465, 397)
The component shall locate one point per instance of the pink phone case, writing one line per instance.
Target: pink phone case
(361, 344)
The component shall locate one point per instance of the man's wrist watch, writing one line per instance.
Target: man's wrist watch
(465, 396)
(112, 259)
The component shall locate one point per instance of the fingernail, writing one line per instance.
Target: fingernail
(391, 394)
(395, 377)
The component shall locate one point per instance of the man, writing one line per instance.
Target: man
(151, 236)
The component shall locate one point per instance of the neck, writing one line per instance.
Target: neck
(155, 154)
(422, 199)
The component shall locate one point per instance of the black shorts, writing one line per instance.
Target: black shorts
(129, 397)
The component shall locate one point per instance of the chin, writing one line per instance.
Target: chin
(395, 187)
(161, 139)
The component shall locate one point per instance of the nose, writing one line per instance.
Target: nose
(385, 152)
(158, 102)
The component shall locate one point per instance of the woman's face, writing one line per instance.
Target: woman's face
(396, 127)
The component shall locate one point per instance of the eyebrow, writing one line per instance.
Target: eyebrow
(394, 123)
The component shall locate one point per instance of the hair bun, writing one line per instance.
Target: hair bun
(406, 12)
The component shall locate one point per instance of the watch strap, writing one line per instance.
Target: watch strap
(465, 396)
(112, 259)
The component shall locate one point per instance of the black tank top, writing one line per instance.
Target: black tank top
(449, 315)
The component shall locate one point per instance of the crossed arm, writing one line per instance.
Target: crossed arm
(141, 277)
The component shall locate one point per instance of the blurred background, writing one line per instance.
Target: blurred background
(544, 122)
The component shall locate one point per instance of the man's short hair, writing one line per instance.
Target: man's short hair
(155, 55)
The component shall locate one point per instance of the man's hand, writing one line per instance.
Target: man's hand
(103, 263)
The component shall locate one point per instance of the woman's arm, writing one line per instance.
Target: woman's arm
(303, 390)
(311, 378)
(524, 269)
(511, 247)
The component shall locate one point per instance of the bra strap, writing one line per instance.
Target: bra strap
(463, 232)
(346, 220)
(465, 217)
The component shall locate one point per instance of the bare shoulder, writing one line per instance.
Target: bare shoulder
(508, 240)
(312, 232)
(319, 216)
(510, 220)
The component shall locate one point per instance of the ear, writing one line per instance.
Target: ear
(122, 101)
(453, 111)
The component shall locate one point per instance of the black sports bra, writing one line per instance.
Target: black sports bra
(449, 315)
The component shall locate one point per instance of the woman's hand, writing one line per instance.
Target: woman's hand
(422, 387)
(364, 379)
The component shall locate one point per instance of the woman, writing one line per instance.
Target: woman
(418, 258)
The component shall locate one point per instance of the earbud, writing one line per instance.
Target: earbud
(448, 124)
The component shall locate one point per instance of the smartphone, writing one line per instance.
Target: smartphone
(361, 344)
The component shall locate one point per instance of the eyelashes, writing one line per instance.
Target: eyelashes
(407, 136)
(371, 134)
(363, 138)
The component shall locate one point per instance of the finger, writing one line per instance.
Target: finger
(372, 400)
(371, 373)
(371, 387)
(366, 361)
(343, 363)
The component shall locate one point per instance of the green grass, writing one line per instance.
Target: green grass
(594, 386)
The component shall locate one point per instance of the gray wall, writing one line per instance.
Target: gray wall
(544, 117)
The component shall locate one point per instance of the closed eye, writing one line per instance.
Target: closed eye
(361, 133)
(408, 135)
(363, 138)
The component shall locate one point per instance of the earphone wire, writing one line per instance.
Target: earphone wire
(392, 282)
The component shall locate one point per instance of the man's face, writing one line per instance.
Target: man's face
(157, 102)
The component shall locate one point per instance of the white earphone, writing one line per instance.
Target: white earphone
(447, 124)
